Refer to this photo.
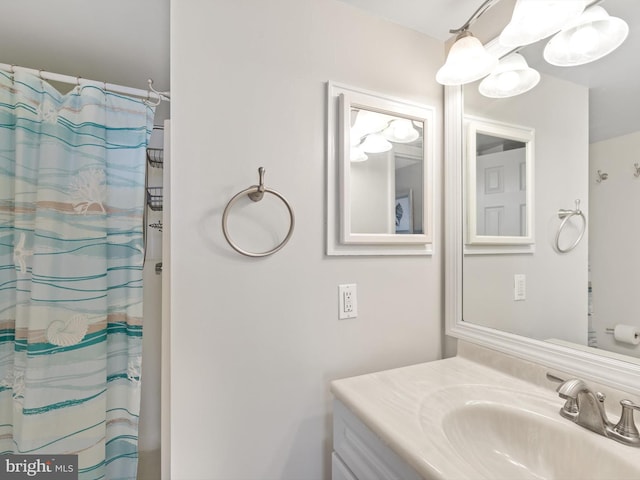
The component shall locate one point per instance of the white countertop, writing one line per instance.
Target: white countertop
(404, 406)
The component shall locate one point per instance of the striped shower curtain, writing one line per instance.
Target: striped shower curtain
(72, 173)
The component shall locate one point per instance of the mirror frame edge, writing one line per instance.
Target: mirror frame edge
(333, 244)
(608, 371)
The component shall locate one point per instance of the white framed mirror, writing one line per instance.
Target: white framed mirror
(555, 333)
(500, 185)
(379, 174)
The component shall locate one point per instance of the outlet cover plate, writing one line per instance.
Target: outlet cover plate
(347, 301)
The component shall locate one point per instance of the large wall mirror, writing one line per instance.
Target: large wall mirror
(380, 174)
(587, 138)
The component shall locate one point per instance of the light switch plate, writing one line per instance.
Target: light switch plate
(519, 287)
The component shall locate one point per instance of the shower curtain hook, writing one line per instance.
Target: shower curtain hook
(12, 70)
(78, 87)
(151, 89)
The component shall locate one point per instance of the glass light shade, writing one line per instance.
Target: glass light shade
(355, 137)
(592, 36)
(400, 131)
(533, 20)
(375, 143)
(511, 77)
(367, 122)
(357, 155)
(467, 62)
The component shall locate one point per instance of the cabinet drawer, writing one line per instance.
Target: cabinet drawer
(339, 471)
(362, 451)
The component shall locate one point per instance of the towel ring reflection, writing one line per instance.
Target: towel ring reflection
(565, 215)
(256, 193)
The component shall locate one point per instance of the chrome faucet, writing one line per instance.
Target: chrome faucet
(586, 408)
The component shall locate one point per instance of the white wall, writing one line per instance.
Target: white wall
(255, 342)
(373, 194)
(614, 230)
(149, 429)
(556, 284)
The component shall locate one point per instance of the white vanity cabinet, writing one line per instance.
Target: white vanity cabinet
(359, 454)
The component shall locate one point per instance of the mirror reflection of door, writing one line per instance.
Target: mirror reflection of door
(500, 187)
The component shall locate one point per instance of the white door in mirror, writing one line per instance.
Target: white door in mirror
(347, 301)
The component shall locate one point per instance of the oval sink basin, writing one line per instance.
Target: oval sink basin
(515, 443)
(504, 434)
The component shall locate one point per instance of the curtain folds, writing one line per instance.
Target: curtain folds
(72, 175)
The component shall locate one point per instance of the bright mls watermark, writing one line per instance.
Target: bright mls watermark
(49, 467)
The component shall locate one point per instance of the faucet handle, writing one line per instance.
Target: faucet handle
(570, 408)
(626, 425)
(568, 390)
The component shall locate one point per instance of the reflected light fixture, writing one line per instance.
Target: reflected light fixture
(357, 155)
(592, 36)
(375, 143)
(400, 131)
(533, 20)
(511, 77)
(367, 122)
(467, 61)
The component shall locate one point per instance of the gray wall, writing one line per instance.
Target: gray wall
(255, 342)
(614, 229)
(556, 304)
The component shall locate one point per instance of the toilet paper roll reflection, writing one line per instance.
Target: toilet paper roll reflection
(627, 334)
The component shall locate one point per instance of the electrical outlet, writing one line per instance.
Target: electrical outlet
(519, 287)
(347, 301)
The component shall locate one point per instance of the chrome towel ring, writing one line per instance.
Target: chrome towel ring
(255, 193)
(565, 215)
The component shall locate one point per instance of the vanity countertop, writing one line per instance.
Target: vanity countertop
(401, 406)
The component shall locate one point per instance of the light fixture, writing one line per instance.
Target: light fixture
(467, 61)
(533, 20)
(400, 131)
(358, 155)
(511, 77)
(592, 36)
(375, 143)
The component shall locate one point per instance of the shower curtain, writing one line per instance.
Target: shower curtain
(72, 174)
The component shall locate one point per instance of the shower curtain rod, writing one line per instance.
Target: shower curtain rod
(152, 93)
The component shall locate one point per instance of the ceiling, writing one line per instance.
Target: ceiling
(127, 41)
(433, 17)
(124, 42)
(614, 95)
